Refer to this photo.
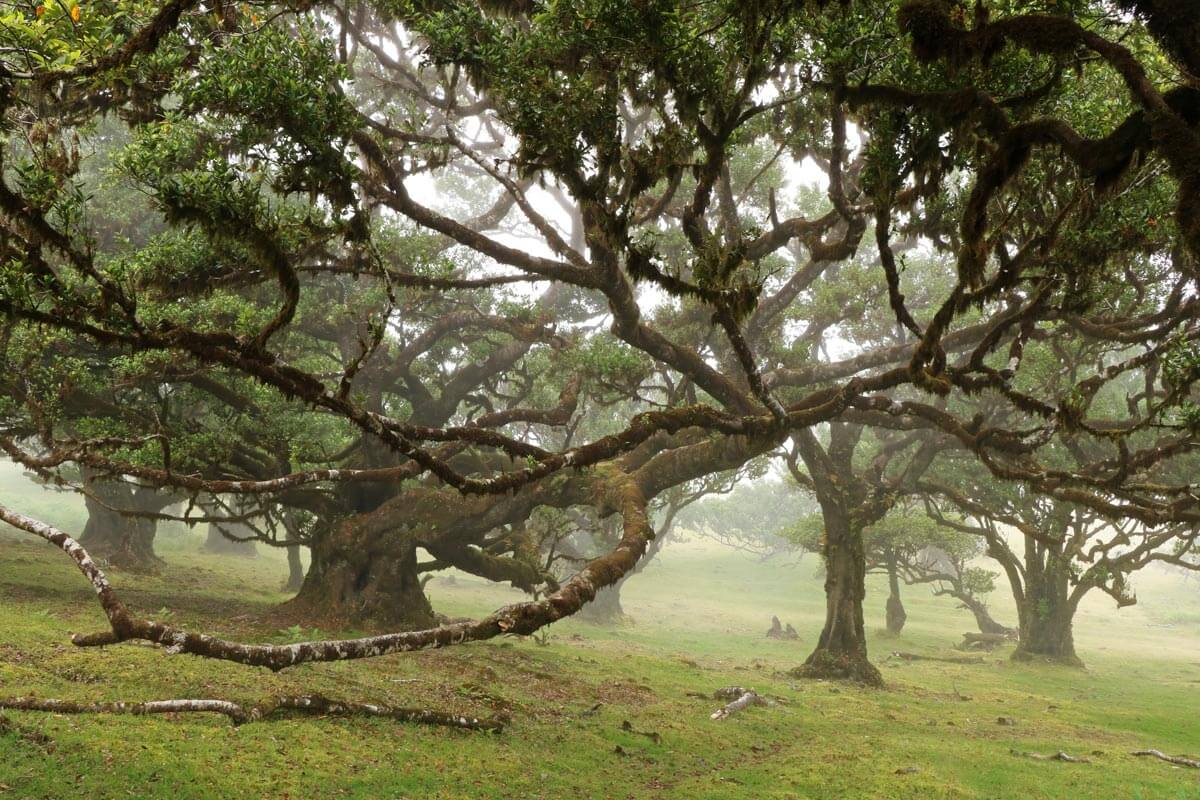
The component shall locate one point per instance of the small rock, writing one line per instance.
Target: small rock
(1005, 721)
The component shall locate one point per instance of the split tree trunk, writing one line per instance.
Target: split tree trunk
(842, 648)
(364, 574)
(1046, 611)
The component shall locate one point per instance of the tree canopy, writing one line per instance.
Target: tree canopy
(405, 275)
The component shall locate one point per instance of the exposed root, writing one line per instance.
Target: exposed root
(826, 665)
(1068, 660)
(1179, 761)
(1059, 756)
(240, 715)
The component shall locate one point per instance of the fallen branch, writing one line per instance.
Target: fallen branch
(1059, 756)
(240, 715)
(519, 618)
(744, 698)
(946, 659)
(1180, 761)
(987, 638)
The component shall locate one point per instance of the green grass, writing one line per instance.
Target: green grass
(698, 617)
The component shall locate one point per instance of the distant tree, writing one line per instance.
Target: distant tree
(750, 514)
(910, 547)
(1066, 552)
(941, 551)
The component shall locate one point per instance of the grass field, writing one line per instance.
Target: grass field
(698, 615)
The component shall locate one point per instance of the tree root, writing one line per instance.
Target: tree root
(1065, 660)
(1180, 761)
(1059, 756)
(946, 659)
(740, 699)
(825, 665)
(240, 715)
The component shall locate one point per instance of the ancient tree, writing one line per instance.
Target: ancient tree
(375, 262)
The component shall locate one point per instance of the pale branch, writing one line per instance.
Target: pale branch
(741, 700)
(238, 714)
(622, 494)
(1059, 756)
(1179, 761)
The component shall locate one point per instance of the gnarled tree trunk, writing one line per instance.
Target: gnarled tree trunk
(373, 581)
(1046, 611)
(361, 572)
(841, 651)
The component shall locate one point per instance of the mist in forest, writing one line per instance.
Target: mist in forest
(521, 399)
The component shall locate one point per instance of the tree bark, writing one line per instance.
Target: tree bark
(1047, 612)
(896, 615)
(841, 651)
(369, 580)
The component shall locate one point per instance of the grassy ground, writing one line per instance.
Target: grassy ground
(698, 617)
